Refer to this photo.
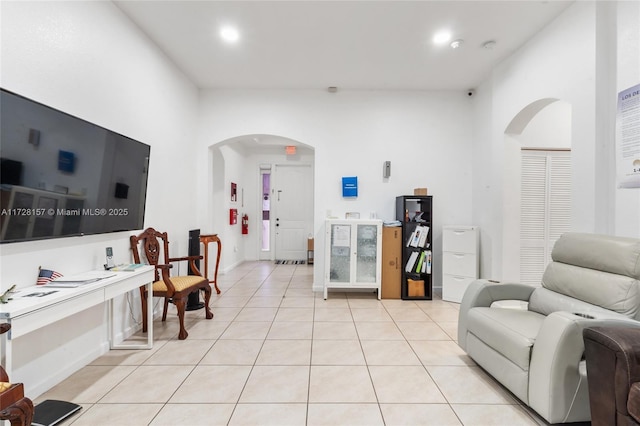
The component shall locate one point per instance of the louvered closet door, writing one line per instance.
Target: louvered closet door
(545, 209)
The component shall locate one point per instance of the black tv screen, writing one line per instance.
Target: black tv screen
(63, 176)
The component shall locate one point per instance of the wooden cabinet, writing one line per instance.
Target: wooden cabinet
(391, 262)
(416, 214)
(460, 260)
(353, 255)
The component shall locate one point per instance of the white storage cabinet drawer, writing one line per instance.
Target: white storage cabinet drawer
(453, 287)
(460, 239)
(463, 264)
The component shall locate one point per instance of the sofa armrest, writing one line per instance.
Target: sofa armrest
(633, 403)
(556, 364)
(613, 365)
(484, 293)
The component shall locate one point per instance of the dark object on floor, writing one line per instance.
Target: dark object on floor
(291, 262)
(613, 372)
(51, 412)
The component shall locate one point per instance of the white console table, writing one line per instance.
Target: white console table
(26, 314)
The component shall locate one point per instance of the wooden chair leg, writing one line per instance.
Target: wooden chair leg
(180, 306)
(19, 413)
(207, 297)
(165, 309)
(143, 297)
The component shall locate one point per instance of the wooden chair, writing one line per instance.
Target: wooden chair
(173, 289)
(13, 404)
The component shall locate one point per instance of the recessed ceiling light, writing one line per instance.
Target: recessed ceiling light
(456, 43)
(441, 37)
(229, 34)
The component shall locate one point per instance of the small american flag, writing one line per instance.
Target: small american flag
(47, 275)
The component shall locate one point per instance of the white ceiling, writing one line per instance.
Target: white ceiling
(348, 44)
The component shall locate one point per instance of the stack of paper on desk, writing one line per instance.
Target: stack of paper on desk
(79, 279)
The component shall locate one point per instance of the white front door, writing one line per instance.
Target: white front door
(292, 209)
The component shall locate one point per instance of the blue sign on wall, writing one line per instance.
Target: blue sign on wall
(350, 186)
(66, 161)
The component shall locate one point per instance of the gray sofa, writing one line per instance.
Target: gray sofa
(538, 353)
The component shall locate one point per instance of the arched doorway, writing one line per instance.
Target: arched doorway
(251, 162)
(537, 187)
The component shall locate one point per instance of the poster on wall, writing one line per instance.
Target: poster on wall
(234, 192)
(628, 138)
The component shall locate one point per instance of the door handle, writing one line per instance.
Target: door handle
(279, 191)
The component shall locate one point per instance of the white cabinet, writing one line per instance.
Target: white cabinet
(353, 255)
(460, 260)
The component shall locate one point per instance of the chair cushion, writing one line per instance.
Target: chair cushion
(180, 282)
(510, 332)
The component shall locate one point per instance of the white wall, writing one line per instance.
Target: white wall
(232, 247)
(570, 60)
(427, 136)
(627, 201)
(543, 68)
(87, 59)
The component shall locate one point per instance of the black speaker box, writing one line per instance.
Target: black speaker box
(193, 301)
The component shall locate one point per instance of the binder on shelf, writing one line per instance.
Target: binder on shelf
(419, 237)
(428, 263)
(415, 237)
(424, 233)
(420, 262)
(411, 262)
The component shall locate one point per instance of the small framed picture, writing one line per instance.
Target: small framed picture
(234, 192)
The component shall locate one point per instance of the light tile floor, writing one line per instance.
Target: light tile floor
(276, 353)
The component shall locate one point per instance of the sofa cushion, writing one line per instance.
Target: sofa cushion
(546, 302)
(618, 293)
(616, 255)
(602, 270)
(502, 369)
(511, 332)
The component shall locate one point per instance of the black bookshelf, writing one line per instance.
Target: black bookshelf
(416, 211)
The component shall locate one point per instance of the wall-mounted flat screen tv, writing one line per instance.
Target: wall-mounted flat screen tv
(62, 176)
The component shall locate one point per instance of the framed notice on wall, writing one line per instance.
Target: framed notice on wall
(350, 186)
(628, 138)
(234, 192)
